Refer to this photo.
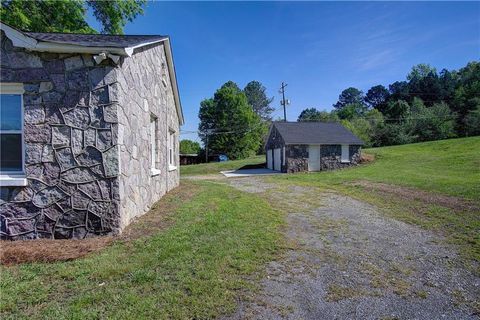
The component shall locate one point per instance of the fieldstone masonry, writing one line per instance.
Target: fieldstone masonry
(297, 158)
(145, 91)
(330, 156)
(87, 158)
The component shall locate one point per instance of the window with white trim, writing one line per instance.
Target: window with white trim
(154, 145)
(345, 153)
(171, 150)
(11, 130)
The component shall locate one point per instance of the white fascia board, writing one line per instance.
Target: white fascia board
(130, 50)
(18, 38)
(173, 80)
(43, 46)
(69, 48)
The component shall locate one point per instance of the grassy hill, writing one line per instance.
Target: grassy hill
(450, 167)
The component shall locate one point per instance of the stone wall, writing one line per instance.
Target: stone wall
(330, 156)
(145, 91)
(297, 158)
(71, 158)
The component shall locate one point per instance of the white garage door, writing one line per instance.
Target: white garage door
(269, 159)
(313, 158)
(277, 159)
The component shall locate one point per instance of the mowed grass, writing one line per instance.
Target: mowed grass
(195, 268)
(450, 167)
(216, 167)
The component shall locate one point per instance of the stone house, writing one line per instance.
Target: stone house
(89, 132)
(311, 146)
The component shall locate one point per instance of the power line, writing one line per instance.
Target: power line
(366, 118)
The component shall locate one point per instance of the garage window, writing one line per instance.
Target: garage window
(345, 153)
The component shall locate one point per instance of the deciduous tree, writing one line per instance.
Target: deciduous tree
(69, 16)
(230, 124)
(189, 147)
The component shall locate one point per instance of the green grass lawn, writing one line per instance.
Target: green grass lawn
(450, 167)
(216, 167)
(193, 269)
(220, 238)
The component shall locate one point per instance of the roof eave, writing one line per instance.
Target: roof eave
(173, 80)
(21, 40)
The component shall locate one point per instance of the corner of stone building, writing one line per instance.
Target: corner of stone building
(71, 142)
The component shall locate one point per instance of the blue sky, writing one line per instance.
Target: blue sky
(318, 48)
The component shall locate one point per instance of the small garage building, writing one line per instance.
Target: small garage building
(311, 146)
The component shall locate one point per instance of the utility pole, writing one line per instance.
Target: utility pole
(284, 102)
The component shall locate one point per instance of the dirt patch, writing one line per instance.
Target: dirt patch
(366, 158)
(406, 193)
(18, 252)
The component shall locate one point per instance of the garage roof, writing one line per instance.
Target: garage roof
(315, 133)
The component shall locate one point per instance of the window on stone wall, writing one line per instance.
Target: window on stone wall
(171, 150)
(345, 153)
(11, 131)
(154, 144)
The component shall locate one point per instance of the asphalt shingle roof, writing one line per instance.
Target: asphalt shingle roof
(316, 133)
(95, 40)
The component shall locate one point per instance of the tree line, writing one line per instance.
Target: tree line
(426, 106)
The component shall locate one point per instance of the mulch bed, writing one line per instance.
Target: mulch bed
(46, 250)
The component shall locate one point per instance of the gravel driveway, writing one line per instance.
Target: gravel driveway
(348, 261)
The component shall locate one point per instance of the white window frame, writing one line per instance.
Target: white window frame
(15, 178)
(154, 145)
(171, 150)
(345, 157)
